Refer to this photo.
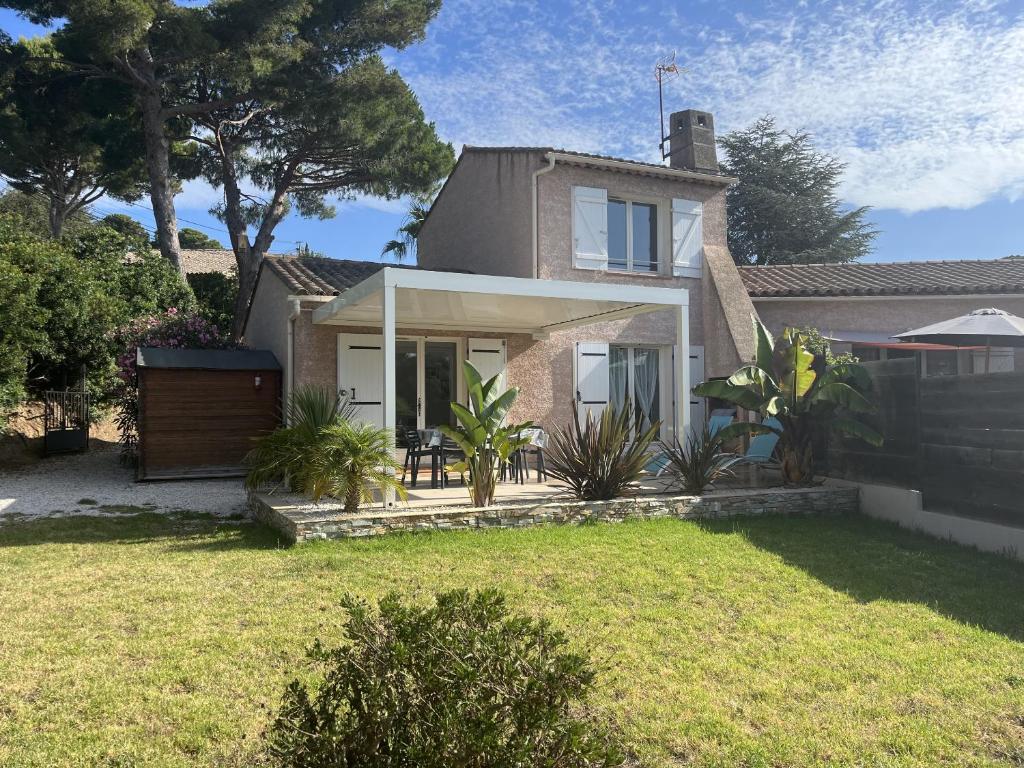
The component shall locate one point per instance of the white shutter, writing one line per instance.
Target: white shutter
(361, 375)
(488, 357)
(1000, 361)
(687, 237)
(592, 385)
(698, 405)
(590, 228)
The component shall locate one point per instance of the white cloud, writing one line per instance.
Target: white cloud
(925, 103)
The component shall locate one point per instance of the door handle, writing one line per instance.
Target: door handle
(419, 406)
(353, 391)
(579, 397)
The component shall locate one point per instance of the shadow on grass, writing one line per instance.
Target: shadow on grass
(873, 560)
(187, 531)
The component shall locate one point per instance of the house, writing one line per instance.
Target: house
(862, 306)
(205, 261)
(574, 276)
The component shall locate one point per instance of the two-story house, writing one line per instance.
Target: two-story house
(575, 276)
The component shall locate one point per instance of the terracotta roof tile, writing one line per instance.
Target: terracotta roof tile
(200, 261)
(911, 278)
(319, 276)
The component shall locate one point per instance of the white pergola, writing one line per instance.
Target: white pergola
(411, 298)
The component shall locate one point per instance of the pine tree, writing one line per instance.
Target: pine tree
(784, 210)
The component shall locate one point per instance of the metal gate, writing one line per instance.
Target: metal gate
(65, 421)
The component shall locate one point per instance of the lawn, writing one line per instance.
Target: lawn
(140, 640)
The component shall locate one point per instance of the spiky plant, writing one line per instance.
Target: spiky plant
(602, 458)
(284, 456)
(350, 461)
(698, 464)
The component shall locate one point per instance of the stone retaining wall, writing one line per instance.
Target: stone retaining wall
(307, 522)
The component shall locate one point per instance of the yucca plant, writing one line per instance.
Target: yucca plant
(699, 463)
(321, 453)
(601, 459)
(481, 433)
(802, 392)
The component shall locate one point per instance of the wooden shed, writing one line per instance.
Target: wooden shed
(200, 409)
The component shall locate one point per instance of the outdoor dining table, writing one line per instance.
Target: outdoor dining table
(432, 439)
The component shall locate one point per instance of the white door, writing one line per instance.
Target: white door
(361, 375)
(591, 379)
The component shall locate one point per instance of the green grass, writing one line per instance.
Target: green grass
(139, 640)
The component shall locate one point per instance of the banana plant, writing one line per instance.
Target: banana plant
(804, 395)
(482, 435)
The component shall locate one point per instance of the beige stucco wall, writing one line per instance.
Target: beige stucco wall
(481, 221)
(267, 326)
(890, 315)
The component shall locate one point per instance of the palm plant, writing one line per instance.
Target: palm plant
(805, 395)
(601, 459)
(698, 464)
(405, 244)
(321, 453)
(351, 461)
(485, 441)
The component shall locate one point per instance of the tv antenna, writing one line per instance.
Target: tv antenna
(665, 70)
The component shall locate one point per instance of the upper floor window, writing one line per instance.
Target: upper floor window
(613, 233)
(632, 236)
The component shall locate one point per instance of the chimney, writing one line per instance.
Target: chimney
(691, 141)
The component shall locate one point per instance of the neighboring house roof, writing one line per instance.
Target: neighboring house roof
(911, 278)
(207, 359)
(202, 261)
(319, 276)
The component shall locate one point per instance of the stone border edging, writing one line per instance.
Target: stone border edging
(300, 523)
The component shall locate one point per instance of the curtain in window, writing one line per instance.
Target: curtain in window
(645, 383)
(618, 371)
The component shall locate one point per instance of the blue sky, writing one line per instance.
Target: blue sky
(924, 101)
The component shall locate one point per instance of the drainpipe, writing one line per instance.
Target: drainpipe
(550, 157)
(295, 309)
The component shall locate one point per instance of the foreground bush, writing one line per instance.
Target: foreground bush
(463, 682)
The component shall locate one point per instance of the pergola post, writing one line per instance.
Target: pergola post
(388, 330)
(682, 374)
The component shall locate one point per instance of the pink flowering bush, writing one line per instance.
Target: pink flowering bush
(174, 329)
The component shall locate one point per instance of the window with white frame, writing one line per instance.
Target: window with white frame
(630, 235)
(633, 236)
(634, 372)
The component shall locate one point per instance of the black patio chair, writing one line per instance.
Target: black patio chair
(414, 451)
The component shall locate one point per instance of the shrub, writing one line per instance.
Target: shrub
(172, 329)
(321, 453)
(699, 464)
(462, 682)
(601, 459)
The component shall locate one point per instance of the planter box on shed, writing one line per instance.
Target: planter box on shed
(200, 409)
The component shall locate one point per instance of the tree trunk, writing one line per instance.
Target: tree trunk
(158, 166)
(352, 497)
(58, 214)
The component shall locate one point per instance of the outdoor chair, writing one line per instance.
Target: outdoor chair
(535, 448)
(761, 450)
(720, 417)
(414, 451)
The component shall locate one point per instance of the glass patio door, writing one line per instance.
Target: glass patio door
(426, 382)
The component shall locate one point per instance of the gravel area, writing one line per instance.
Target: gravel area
(95, 483)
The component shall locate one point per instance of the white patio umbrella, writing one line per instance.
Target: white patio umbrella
(980, 328)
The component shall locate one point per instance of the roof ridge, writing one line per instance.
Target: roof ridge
(996, 260)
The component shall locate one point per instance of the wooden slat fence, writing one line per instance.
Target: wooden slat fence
(958, 439)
